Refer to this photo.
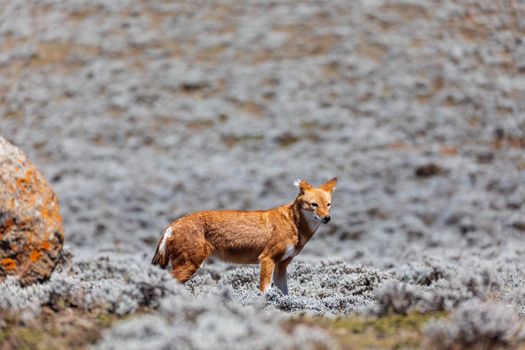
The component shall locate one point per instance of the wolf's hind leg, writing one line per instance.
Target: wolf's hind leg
(185, 271)
(185, 265)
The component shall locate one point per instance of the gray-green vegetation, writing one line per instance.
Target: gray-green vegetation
(139, 112)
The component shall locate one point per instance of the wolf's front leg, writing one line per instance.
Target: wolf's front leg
(267, 268)
(279, 276)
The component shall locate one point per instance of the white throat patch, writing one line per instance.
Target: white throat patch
(312, 223)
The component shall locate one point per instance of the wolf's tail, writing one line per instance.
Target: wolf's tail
(162, 257)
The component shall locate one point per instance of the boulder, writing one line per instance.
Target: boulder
(31, 233)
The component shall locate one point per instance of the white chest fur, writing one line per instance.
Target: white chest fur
(312, 224)
(290, 252)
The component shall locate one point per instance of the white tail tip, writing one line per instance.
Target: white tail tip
(167, 234)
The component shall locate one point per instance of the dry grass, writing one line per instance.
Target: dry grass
(388, 332)
(68, 328)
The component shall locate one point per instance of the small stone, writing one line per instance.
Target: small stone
(429, 170)
(519, 225)
(485, 157)
(31, 233)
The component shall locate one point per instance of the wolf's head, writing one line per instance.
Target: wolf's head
(316, 199)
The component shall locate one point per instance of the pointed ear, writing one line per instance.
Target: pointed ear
(302, 185)
(329, 185)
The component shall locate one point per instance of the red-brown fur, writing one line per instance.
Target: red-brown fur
(268, 237)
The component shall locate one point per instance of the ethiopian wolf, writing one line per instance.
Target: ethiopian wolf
(270, 237)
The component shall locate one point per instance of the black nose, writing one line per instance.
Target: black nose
(326, 219)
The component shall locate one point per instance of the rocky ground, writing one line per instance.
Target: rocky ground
(139, 112)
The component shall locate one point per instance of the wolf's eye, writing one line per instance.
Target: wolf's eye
(328, 204)
(314, 205)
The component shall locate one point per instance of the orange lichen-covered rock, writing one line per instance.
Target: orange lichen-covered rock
(31, 233)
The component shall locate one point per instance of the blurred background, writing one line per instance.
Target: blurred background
(139, 112)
